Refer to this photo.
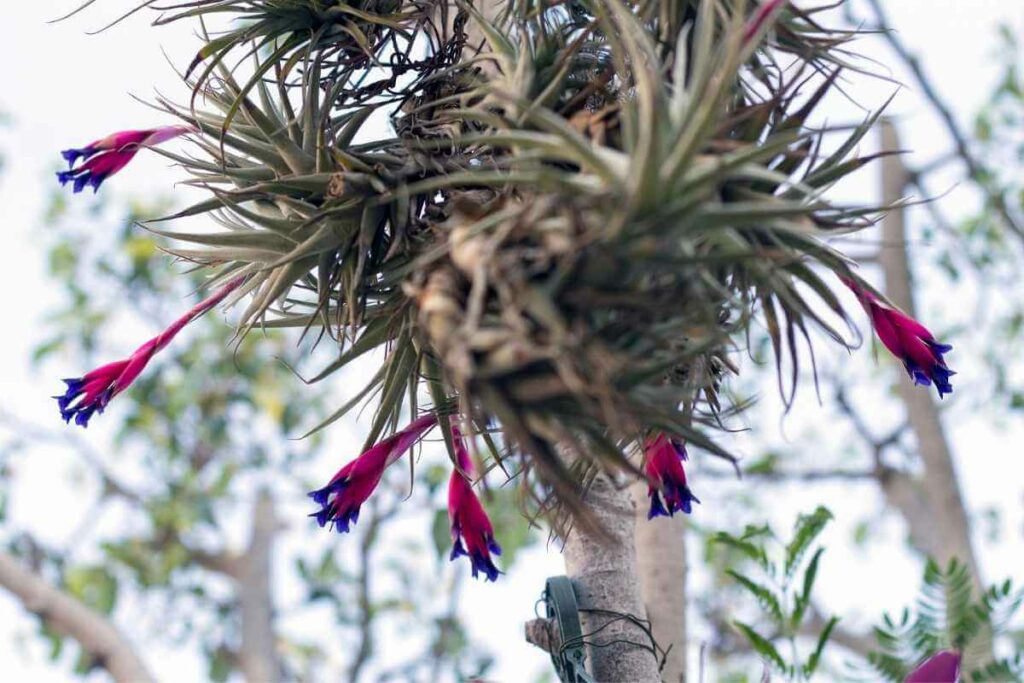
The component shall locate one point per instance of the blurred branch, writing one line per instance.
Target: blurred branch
(29, 432)
(975, 168)
(877, 445)
(942, 526)
(901, 491)
(783, 477)
(94, 633)
(220, 562)
(930, 204)
(223, 562)
(364, 622)
(726, 642)
(364, 597)
(250, 570)
(446, 630)
(856, 643)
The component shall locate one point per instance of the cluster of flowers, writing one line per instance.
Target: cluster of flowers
(105, 157)
(348, 489)
(341, 498)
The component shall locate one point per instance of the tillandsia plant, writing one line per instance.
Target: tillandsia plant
(574, 214)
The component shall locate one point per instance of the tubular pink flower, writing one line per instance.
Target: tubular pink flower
(663, 465)
(763, 14)
(908, 340)
(92, 392)
(105, 157)
(942, 667)
(472, 533)
(345, 493)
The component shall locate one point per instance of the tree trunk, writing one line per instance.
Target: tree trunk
(661, 566)
(257, 656)
(604, 572)
(944, 531)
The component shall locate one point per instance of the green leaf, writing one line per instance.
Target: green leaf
(808, 527)
(1000, 670)
(765, 596)
(761, 645)
(812, 663)
(744, 545)
(890, 667)
(93, 585)
(221, 665)
(440, 533)
(803, 599)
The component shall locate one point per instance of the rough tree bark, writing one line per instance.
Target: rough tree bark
(604, 572)
(934, 509)
(66, 615)
(661, 566)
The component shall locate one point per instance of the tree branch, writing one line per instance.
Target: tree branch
(542, 632)
(944, 528)
(784, 476)
(26, 431)
(364, 600)
(857, 643)
(975, 169)
(66, 615)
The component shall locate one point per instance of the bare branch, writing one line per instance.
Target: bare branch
(543, 634)
(223, 562)
(29, 432)
(364, 597)
(66, 615)
(877, 445)
(975, 168)
(784, 476)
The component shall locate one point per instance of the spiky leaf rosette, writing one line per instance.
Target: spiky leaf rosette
(577, 213)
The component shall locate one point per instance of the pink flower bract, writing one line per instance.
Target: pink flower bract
(349, 488)
(908, 340)
(472, 533)
(942, 667)
(663, 465)
(91, 392)
(105, 157)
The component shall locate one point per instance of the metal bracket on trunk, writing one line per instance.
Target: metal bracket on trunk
(561, 606)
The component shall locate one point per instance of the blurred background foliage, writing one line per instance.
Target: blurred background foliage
(197, 446)
(171, 503)
(860, 455)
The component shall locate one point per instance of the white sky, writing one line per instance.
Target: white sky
(64, 88)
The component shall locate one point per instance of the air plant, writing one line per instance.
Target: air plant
(577, 211)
